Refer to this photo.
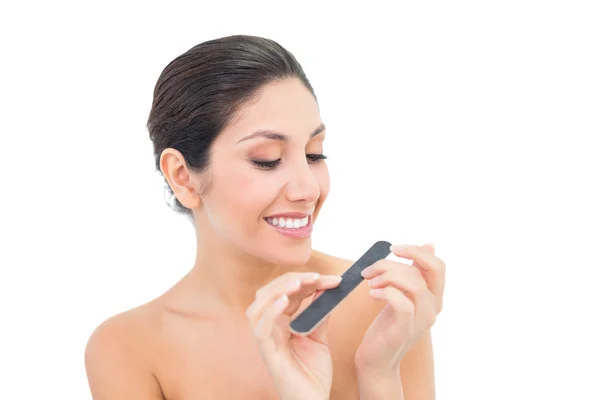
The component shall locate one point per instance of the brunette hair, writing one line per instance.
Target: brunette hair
(200, 91)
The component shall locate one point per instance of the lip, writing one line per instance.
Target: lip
(295, 233)
(297, 215)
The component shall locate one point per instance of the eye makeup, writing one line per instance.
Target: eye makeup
(269, 165)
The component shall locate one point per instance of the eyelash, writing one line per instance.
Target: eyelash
(313, 158)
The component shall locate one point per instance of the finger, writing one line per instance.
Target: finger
(296, 288)
(398, 300)
(403, 277)
(430, 247)
(432, 268)
(287, 277)
(409, 280)
(324, 283)
(424, 258)
(422, 312)
(306, 278)
(261, 302)
(264, 326)
(379, 267)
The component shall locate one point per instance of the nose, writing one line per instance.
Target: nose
(302, 184)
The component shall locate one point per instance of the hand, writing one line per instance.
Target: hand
(414, 299)
(300, 365)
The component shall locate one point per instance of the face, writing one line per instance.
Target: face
(266, 189)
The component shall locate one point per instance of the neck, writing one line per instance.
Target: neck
(231, 278)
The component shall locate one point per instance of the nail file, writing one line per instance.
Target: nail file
(314, 314)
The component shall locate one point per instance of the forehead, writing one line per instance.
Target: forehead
(287, 107)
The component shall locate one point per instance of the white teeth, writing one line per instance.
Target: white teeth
(289, 223)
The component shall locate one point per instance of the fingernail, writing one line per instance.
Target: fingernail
(311, 276)
(366, 271)
(281, 302)
(331, 279)
(375, 281)
(398, 247)
(294, 285)
(377, 293)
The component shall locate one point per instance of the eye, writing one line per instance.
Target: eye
(314, 158)
(266, 164)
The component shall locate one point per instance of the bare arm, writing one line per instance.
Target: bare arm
(417, 372)
(380, 387)
(414, 380)
(115, 366)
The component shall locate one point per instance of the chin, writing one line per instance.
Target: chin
(292, 255)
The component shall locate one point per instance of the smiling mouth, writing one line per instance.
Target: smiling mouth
(288, 223)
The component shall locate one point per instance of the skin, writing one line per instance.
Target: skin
(199, 339)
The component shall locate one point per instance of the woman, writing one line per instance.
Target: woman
(238, 137)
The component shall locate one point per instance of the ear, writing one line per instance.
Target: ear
(180, 180)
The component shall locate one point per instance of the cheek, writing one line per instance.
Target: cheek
(322, 176)
(249, 192)
(240, 182)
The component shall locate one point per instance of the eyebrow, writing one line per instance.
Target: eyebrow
(279, 136)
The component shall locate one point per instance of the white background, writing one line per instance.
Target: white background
(472, 124)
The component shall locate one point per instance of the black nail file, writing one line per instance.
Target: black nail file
(310, 318)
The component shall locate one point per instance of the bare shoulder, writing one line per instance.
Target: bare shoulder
(117, 357)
